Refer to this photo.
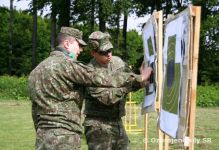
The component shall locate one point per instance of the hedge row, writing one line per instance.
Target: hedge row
(15, 88)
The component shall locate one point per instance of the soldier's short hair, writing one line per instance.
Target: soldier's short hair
(69, 31)
(62, 37)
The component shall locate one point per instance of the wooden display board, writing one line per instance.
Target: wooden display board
(192, 84)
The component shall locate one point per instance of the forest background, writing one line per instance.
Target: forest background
(27, 36)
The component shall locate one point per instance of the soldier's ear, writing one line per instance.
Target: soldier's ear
(66, 44)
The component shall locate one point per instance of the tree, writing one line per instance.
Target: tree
(10, 55)
(134, 49)
(84, 12)
(54, 9)
(22, 43)
(54, 6)
(4, 42)
(92, 20)
(105, 10)
(209, 41)
(142, 7)
(34, 35)
(117, 11)
(64, 13)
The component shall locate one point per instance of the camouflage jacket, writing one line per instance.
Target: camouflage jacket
(107, 102)
(55, 87)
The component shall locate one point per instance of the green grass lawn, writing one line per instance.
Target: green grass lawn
(17, 131)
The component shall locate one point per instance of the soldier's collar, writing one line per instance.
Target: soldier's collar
(62, 49)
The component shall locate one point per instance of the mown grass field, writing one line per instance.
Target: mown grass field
(17, 132)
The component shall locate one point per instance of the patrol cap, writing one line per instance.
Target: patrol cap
(100, 41)
(77, 34)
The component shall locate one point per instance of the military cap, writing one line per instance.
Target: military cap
(100, 41)
(77, 34)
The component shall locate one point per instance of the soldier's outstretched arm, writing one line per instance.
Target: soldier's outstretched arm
(109, 96)
(88, 76)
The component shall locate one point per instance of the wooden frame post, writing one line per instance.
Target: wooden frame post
(196, 12)
(159, 17)
(146, 131)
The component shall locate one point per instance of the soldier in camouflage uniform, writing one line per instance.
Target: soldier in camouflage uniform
(104, 107)
(55, 87)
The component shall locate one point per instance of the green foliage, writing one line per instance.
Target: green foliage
(43, 39)
(209, 38)
(209, 41)
(138, 96)
(13, 88)
(112, 11)
(4, 42)
(22, 42)
(208, 96)
(135, 48)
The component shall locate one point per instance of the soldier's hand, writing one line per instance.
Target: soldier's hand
(145, 73)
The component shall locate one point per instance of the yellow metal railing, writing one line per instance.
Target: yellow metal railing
(130, 120)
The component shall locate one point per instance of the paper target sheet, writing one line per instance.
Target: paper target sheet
(150, 57)
(173, 113)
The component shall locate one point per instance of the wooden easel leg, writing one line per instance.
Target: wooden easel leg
(195, 50)
(146, 132)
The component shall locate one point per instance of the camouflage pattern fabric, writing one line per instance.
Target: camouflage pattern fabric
(77, 34)
(106, 104)
(107, 99)
(99, 41)
(56, 92)
(57, 139)
(106, 135)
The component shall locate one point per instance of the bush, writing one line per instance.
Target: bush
(138, 96)
(14, 88)
(208, 95)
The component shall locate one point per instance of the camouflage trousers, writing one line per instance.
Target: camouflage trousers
(57, 139)
(105, 135)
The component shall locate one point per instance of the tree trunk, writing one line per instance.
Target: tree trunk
(53, 24)
(102, 22)
(64, 16)
(158, 5)
(125, 34)
(11, 21)
(34, 34)
(92, 16)
(117, 29)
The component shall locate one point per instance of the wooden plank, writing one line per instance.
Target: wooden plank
(160, 74)
(161, 139)
(186, 144)
(146, 131)
(197, 18)
(160, 57)
(166, 142)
